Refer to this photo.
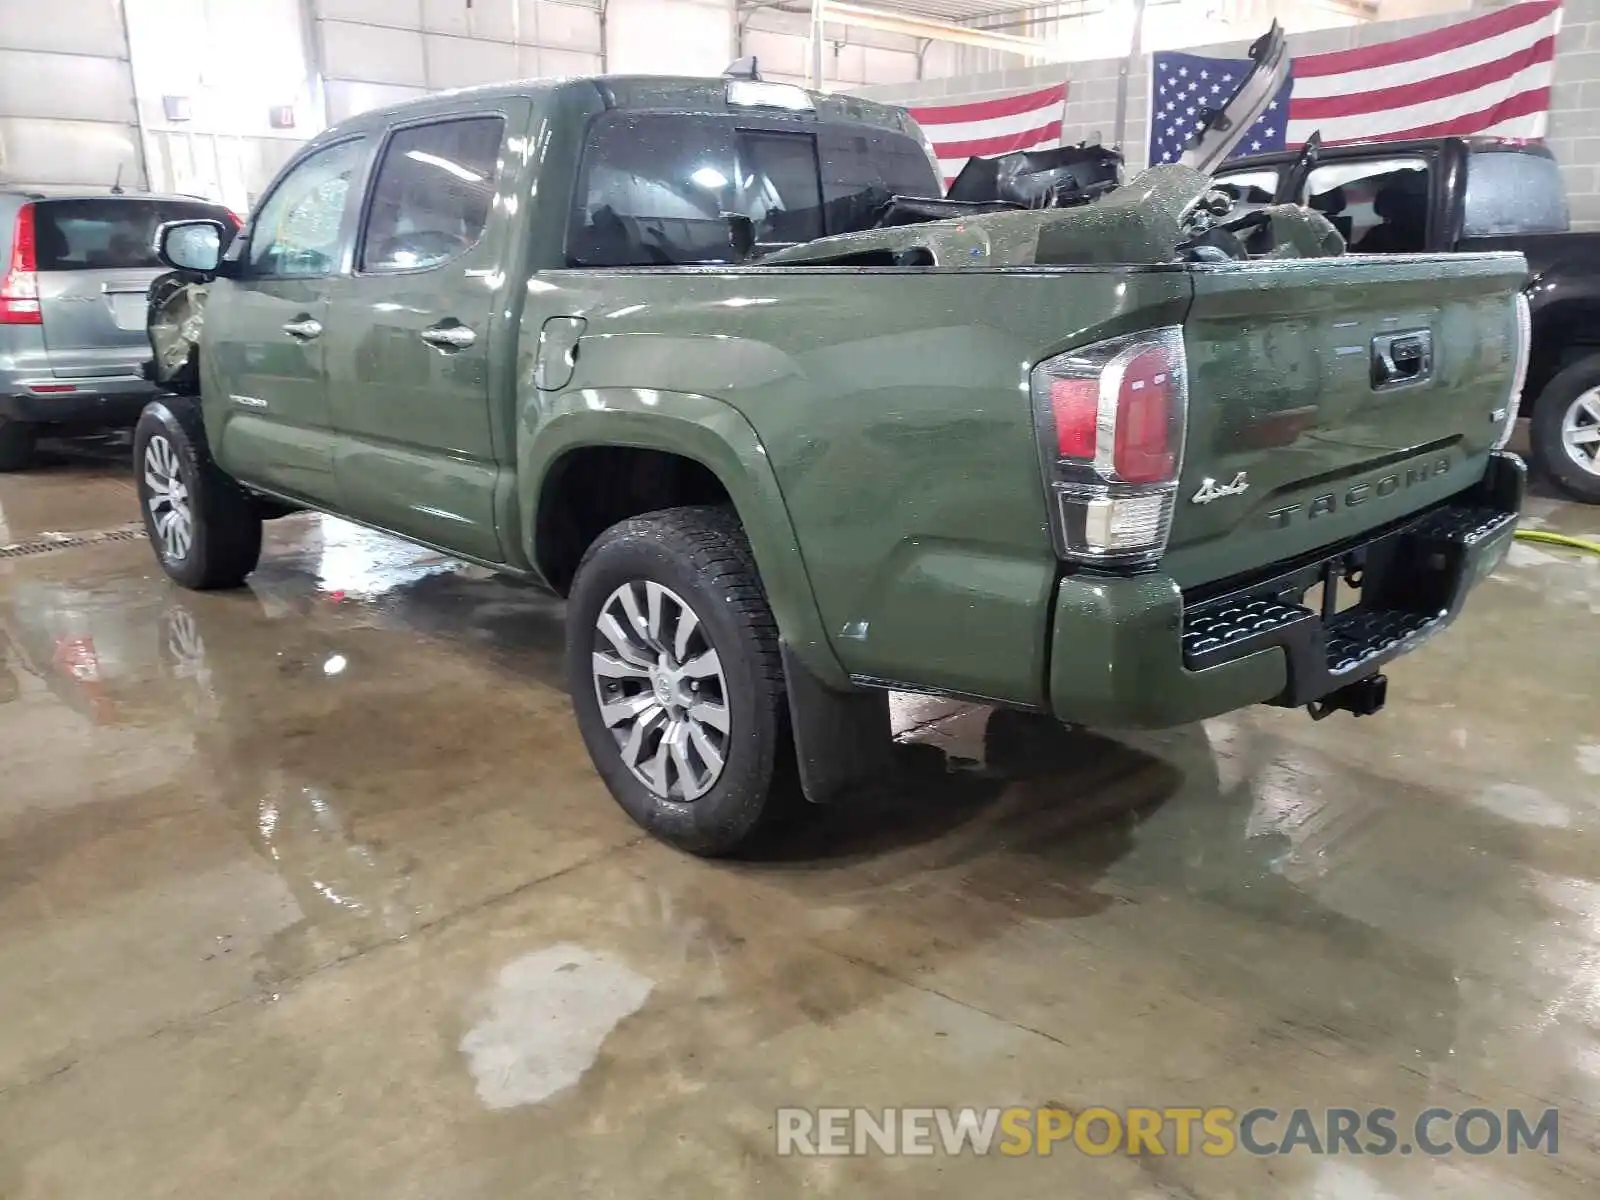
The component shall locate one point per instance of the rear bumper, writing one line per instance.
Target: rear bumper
(117, 400)
(1140, 653)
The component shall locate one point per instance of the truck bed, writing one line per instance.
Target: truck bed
(893, 407)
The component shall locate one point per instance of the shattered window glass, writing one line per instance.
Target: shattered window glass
(295, 234)
(1379, 205)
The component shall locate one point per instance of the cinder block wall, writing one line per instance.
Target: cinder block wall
(1574, 133)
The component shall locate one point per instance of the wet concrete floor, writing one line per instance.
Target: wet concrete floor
(309, 890)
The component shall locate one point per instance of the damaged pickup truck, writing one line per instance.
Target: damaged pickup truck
(718, 362)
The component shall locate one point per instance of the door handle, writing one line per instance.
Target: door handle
(449, 337)
(304, 329)
(1399, 359)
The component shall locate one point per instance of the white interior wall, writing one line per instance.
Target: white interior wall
(66, 95)
(374, 52)
(69, 74)
(233, 62)
(658, 37)
(851, 56)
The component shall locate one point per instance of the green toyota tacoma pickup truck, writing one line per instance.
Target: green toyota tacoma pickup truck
(671, 348)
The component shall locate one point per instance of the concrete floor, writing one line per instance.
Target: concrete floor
(309, 890)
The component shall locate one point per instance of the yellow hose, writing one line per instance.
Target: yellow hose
(1558, 539)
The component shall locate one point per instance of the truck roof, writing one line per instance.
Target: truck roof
(642, 93)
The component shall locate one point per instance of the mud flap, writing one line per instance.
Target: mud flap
(842, 740)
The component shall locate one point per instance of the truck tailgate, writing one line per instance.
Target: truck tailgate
(1328, 397)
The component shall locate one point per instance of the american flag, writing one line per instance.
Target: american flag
(1488, 75)
(962, 129)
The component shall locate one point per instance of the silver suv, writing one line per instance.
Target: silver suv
(74, 271)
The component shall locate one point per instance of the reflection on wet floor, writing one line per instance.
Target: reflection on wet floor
(309, 889)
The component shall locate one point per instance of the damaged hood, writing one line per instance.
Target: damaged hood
(1141, 222)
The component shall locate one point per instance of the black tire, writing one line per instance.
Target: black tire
(224, 526)
(702, 555)
(16, 444)
(1545, 442)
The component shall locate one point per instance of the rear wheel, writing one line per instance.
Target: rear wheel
(1564, 434)
(16, 444)
(675, 675)
(205, 530)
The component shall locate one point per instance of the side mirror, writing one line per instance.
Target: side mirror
(191, 245)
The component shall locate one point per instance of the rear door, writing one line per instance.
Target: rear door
(262, 366)
(96, 259)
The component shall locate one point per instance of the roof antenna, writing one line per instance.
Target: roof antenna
(744, 68)
(116, 184)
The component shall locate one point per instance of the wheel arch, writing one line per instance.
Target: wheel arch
(717, 444)
(1564, 331)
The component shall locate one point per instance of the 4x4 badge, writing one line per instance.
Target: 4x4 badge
(1212, 490)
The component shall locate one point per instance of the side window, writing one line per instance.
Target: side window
(779, 185)
(431, 195)
(1380, 205)
(653, 191)
(862, 168)
(1512, 191)
(1250, 188)
(295, 234)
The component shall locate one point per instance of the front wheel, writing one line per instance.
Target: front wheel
(676, 678)
(1564, 433)
(205, 530)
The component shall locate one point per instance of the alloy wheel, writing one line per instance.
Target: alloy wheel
(661, 690)
(1580, 431)
(171, 516)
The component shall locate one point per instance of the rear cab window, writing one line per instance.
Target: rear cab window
(1511, 192)
(110, 233)
(1250, 189)
(1380, 205)
(657, 188)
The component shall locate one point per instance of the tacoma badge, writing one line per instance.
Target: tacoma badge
(1212, 490)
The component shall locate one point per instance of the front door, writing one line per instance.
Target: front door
(264, 331)
(408, 339)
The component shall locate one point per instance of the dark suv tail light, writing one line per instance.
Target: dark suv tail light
(1110, 419)
(19, 288)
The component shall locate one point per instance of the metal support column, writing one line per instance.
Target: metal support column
(1120, 130)
(817, 7)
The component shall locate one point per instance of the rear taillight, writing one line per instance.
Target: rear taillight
(1110, 419)
(19, 289)
(1519, 371)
